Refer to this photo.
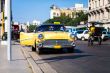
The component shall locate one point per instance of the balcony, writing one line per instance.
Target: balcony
(89, 8)
(108, 1)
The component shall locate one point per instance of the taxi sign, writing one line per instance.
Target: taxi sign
(56, 22)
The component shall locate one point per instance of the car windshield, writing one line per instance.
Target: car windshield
(108, 32)
(79, 32)
(68, 29)
(51, 28)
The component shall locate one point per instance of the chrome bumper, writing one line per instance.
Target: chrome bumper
(56, 44)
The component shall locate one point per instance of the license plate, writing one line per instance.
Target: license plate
(57, 46)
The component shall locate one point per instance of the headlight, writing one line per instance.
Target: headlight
(40, 36)
(72, 36)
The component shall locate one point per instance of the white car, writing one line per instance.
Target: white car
(83, 35)
(105, 35)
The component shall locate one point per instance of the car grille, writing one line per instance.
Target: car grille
(63, 42)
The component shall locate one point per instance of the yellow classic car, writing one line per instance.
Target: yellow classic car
(48, 37)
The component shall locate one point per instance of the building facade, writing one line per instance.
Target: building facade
(99, 11)
(56, 11)
(36, 22)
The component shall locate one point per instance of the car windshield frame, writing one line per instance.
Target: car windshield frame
(43, 28)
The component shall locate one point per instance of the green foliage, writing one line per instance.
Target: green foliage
(66, 20)
(32, 28)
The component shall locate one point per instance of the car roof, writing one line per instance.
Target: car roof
(50, 24)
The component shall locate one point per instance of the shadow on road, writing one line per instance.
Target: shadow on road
(18, 60)
(59, 58)
(45, 52)
(78, 51)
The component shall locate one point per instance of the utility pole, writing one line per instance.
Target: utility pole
(8, 23)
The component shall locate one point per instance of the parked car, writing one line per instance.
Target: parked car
(105, 35)
(71, 30)
(82, 35)
(48, 37)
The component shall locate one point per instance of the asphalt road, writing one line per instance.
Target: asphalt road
(85, 59)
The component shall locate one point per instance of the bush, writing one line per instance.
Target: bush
(66, 20)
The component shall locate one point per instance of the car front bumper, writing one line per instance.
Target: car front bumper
(56, 44)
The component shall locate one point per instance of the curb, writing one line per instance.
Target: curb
(31, 62)
(3, 42)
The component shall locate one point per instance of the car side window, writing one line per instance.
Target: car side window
(108, 32)
(104, 32)
(86, 32)
(36, 30)
(39, 29)
(62, 28)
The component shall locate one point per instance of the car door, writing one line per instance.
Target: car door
(86, 34)
(26, 38)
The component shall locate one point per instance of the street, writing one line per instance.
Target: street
(38, 36)
(85, 59)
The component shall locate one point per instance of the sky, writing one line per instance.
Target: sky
(29, 10)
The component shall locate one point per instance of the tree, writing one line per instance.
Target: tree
(68, 21)
(62, 19)
(80, 16)
(32, 28)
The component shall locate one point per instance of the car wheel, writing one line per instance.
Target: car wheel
(33, 48)
(76, 38)
(38, 50)
(82, 38)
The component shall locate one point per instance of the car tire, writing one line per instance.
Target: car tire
(38, 50)
(83, 39)
(33, 48)
(76, 38)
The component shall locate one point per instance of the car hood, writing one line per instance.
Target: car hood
(55, 35)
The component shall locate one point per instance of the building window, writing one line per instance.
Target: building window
(103, 2)
(109, 14)
(89, 8)
(95, 4)
(54, 13)
(57, 14)
(108, 1)
(99, 3)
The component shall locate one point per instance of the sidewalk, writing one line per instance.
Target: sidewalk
(18, 64)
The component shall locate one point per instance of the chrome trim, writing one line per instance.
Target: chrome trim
(52, 42)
